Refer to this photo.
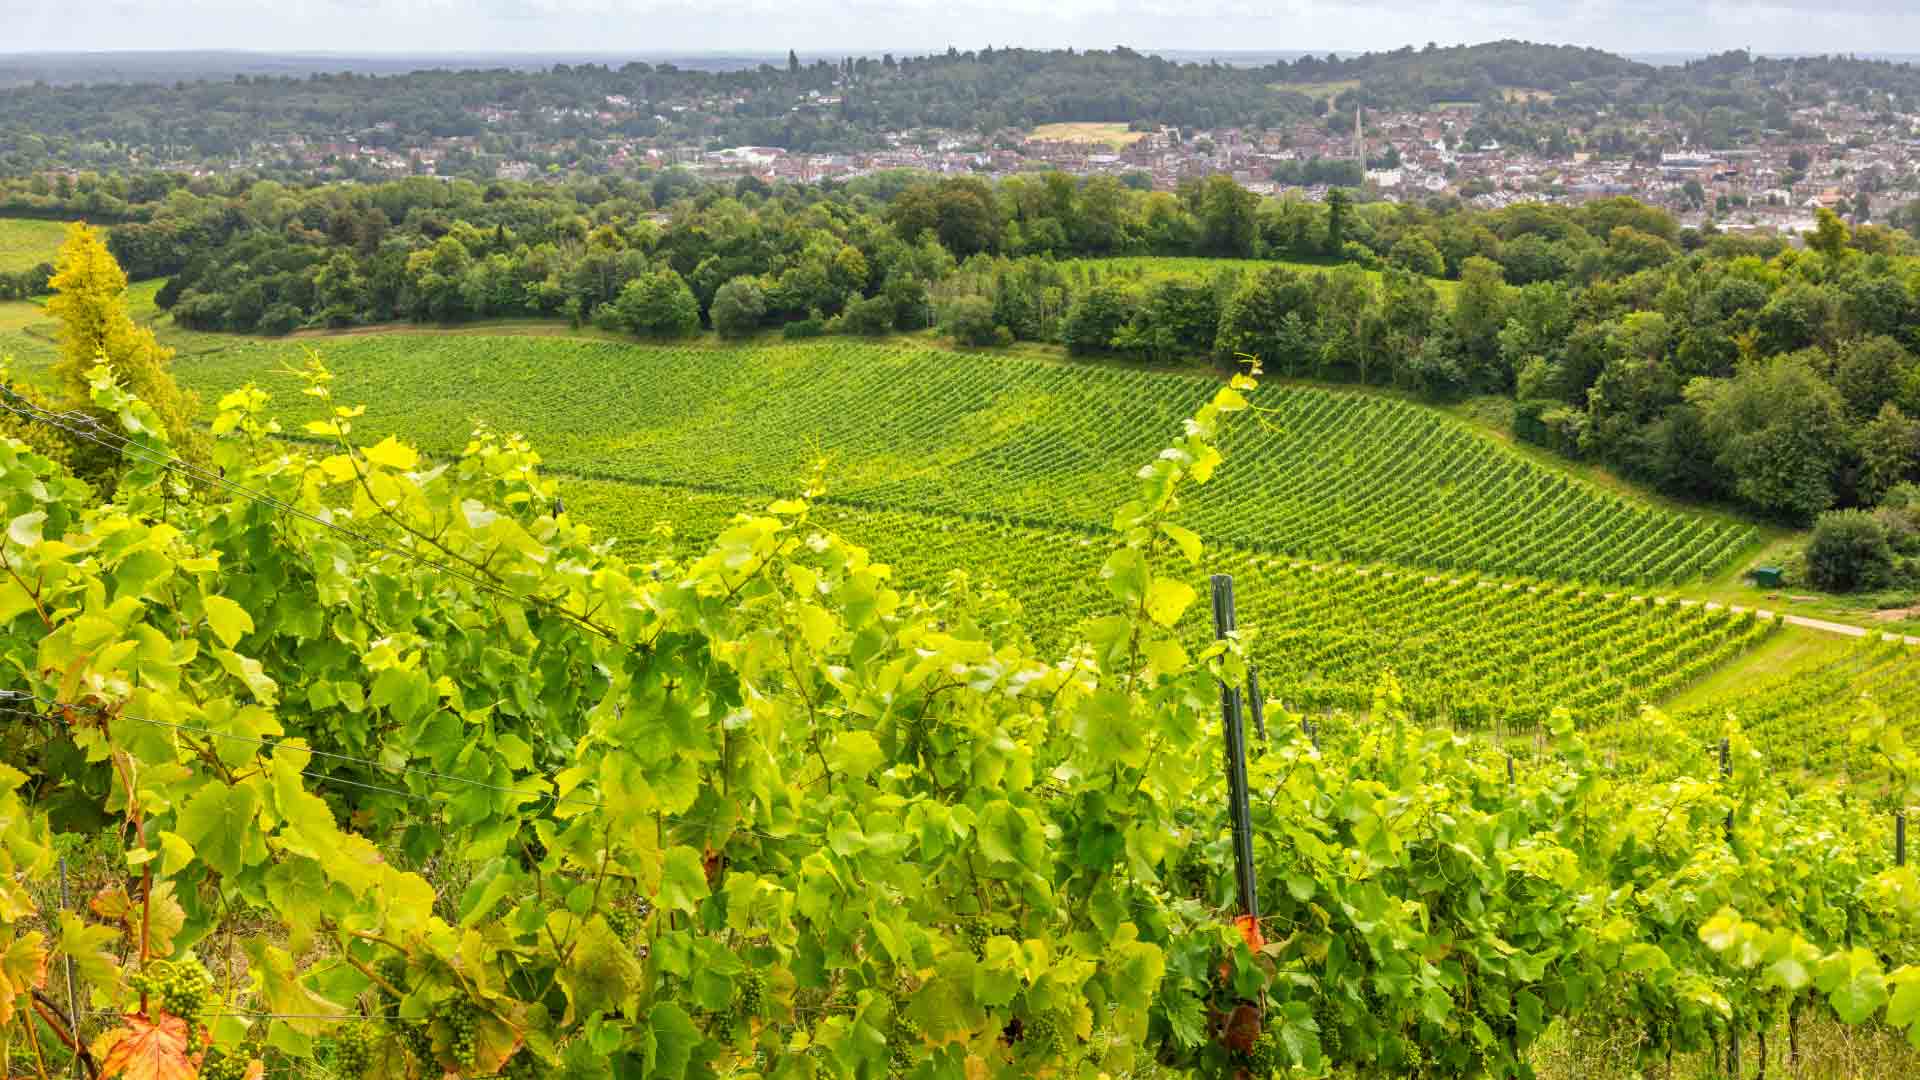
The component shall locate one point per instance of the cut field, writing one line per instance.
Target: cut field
(1318, 90)
(28, 335)
(1318, 474)
(1152, 267)
(26, 243)
(1115, 136)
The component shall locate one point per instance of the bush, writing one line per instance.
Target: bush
(969, 321)
(871, 317)
(279, 320)
(812, 326)
(658, 304)
(1849, 552)
(1096, 315)
(738, 307)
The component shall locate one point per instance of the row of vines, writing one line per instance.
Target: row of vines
(1324, 475)
(410, 776)
(1468, 653)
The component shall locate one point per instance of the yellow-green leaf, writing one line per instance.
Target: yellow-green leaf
(393, 454)
(229, 620)
(1188, 540)
(1167, 598)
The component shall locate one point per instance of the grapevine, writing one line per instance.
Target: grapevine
(302, 707)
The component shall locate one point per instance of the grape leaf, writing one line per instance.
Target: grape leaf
(230, 621)
(144, 1050)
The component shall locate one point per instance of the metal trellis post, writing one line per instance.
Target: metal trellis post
(1253, 699)
(1238, 808)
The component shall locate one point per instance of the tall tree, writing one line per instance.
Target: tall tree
(90, 303)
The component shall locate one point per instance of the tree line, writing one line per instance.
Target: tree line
(1735, 369)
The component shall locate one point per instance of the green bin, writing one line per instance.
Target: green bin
(1767, 577)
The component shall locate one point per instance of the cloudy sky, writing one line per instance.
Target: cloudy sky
(629, 26)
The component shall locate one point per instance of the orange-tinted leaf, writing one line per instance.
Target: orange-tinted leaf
(150, 1051)
(1242, 1028)
(1250, 932)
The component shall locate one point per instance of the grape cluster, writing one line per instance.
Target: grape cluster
(393, 972)
(975, 932)
(625, 919)
(1044, 1035)
(353, 1050)
(182, 988)
(417, 1040)
(221, 1065)
(1267, 1057)
(462, 1018)
(903, 1040)
(1328, 1021)
(753, 988)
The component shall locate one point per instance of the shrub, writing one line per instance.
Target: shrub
(969, 321)
(1849, 552)
(658, 304)
(810, 327)
(279, 320)
(738, 307)
(871, 317)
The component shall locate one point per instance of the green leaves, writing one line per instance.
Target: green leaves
(1167, 599)
(219, 821)
(1853, 983)
(230, 621)
(683, 880)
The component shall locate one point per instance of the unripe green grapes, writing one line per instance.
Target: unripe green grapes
(221, 1065)
(353, 1050)
(462, 1020)
(974, 932)
(753, 986)
(1267, 1058)
(181, 988)
(1044, 1035)
(903, 1041)
(393, 971)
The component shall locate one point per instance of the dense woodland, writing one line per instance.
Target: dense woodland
(1582, 97)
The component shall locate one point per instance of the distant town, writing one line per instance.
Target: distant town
(1858, 161)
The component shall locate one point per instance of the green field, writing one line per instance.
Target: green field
(26, 243)
(1466, 652)
(1322, 475)
(1803, 715)
(1151, 267)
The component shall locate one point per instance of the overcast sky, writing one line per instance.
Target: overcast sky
(821, 26)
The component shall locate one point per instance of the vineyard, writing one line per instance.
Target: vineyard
(1805, 717)
(1322, 475)
(409, 776)
(1468, 653)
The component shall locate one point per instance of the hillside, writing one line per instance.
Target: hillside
(1323, 475)
(1467, 652)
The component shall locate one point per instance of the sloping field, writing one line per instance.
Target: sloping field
(26, 243)
(1465, 652)
(1804, 717)
(1318, 474)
